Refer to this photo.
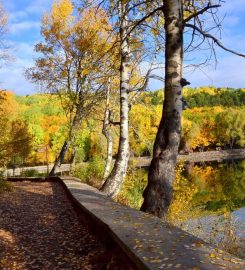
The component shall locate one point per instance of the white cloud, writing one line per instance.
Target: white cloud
(231, 20)
(12, 74)
(229, 73)
(16, 16)
(12, 78)
(235, 6)
(39, 6)
(19, 28)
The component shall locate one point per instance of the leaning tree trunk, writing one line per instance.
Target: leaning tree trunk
(106, 130)
(60, 159)
(113, 183)
(159, 191)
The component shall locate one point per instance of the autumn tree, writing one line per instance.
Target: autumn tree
(231, 127)
(131, 81)
(8, 113)
(177, 17)
(113, 182)
(20, 142)
(73, 58)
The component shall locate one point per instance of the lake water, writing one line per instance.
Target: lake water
(210, 199)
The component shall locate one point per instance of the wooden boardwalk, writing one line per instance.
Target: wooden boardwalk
(145, 161)
(200, 157)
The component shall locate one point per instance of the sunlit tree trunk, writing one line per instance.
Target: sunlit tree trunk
(113, 183)
(70, 141)
(108, 134)
(159, 191)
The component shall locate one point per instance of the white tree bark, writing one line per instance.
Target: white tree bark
(113, 183)
(108, 134)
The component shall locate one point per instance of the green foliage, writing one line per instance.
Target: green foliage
(29, 173)
(231, 127)
(204, 128)
(209, 97)
(133, 187)
(91, 172)
(5, 186)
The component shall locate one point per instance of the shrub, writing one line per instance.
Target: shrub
(5, 186)
(133, 187)
(91, 172)
(29, 173)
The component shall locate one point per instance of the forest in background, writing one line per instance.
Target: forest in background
(36, 125)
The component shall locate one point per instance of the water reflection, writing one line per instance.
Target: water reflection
(209, 202)
(220, 187)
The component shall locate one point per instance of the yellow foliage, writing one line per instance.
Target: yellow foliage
(58, 22)
(184, 191)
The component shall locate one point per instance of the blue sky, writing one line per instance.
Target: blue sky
(24, 32)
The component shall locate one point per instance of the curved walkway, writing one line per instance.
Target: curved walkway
(39, 229)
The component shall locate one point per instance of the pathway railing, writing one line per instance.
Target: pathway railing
(142, 161)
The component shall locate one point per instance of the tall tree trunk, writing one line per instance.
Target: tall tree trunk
(113, 183)
(106, 130)
(159, 191)
(60, 159)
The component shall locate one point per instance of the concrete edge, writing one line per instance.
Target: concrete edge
(102, 230)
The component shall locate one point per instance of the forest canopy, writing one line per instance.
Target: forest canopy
(214, 118)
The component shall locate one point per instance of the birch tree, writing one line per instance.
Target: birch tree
(107, 131)
(113, 183)
(72, 63)
(131, 54)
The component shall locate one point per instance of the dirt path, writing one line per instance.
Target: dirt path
(39, 229)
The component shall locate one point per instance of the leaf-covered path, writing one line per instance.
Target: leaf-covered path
(39, 229)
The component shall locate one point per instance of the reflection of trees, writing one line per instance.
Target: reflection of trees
(220, 189)
(213, 189)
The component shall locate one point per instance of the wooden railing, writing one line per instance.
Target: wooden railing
(200, 156)
(144, 161)
(44, 169)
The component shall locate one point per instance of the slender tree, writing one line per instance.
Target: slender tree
(113, 183)
(131, 53)
(72, 63)
(4, 50)
(107, 132)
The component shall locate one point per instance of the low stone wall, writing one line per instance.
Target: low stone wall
(39, 169)
(148, 242)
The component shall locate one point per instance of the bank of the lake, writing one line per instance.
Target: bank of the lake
(209, 200)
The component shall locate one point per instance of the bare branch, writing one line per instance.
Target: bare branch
(214, 39)
(200, 12)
